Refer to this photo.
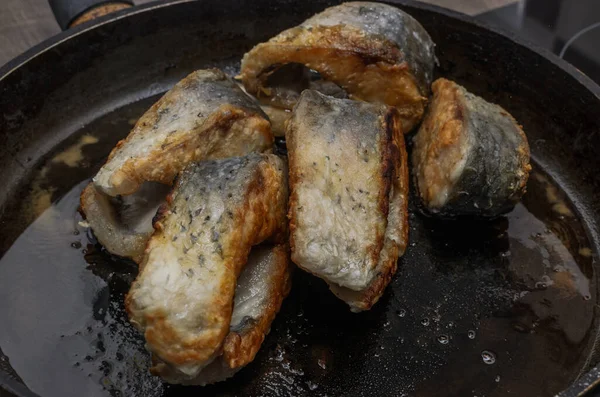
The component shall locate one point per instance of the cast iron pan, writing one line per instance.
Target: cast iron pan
(498, 308)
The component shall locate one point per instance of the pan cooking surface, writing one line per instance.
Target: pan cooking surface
(477, 308)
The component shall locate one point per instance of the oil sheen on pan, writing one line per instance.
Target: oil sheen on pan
(509, 302)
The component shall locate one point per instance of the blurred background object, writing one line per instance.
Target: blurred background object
(568, 28)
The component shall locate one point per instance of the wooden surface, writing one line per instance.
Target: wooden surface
(24, 23)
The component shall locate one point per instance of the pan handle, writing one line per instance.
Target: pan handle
(69, 13)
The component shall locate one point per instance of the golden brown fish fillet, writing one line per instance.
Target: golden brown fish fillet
(204, 116)
(261, 288)
(470, 157)
(349, 192)
(375, 52)
(182, 298)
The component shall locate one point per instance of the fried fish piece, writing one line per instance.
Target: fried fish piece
(183, 296)
(123, 224)
(261, 288)
(348, 194)
(375, 52)
(470, 157)
(204, 116)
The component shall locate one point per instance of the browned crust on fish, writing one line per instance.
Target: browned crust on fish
(401, 187)
(369, 68)
(446, 115)
(389, 157)
(163, 165)
(400, 178)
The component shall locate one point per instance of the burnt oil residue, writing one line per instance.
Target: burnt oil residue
(504, 307)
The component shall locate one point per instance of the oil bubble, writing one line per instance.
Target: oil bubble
(443, 339)
(488, 357)
(312, 385)
(322, 363)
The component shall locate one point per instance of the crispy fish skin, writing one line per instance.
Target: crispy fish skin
(348, 194)
(182, 298)
(470, 157)
(376, 52)
(204, 116)
(261, 289)
(120, 236)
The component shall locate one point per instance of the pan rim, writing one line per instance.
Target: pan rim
(582, 385)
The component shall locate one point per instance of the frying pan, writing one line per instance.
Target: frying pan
(507, 307)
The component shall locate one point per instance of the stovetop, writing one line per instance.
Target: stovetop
(569, 28)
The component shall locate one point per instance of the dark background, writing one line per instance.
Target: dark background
(548, 23)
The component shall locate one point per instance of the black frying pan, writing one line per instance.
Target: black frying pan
(507, 307)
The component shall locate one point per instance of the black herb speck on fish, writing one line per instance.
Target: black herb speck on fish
(470, 157)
